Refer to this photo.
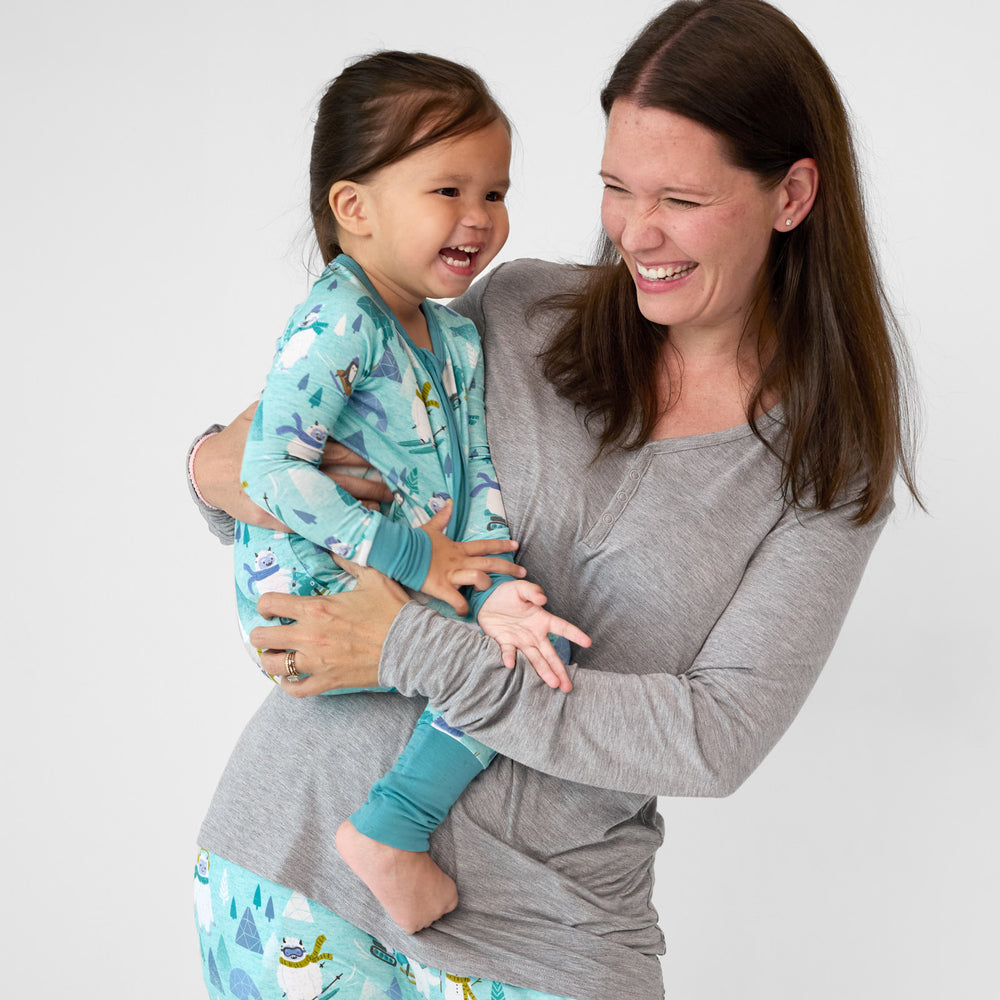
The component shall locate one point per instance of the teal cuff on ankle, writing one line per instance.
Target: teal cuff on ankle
(407, 804)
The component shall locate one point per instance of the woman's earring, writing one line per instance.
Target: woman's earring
(788, 222)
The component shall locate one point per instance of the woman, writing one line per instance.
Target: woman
(697, 440)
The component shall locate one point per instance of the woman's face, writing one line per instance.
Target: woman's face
(693, 229)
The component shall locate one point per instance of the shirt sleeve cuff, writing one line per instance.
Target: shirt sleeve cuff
(477, 598)
(191, 457)
(219, 522)
(402, 552)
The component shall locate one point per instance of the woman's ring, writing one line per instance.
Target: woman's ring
(290, 664)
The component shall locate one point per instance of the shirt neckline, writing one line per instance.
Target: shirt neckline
(769, 424)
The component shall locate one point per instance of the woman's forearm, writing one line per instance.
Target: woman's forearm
(215, 473)
(219, 522)
(700, 732)
(216, 485)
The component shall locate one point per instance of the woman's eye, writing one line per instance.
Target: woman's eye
(681, 203)
(614, 188)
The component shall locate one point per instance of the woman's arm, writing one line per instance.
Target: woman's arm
(214, 477)
(215, 481)
(700, 732)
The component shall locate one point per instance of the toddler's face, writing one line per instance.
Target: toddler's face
(437, 217)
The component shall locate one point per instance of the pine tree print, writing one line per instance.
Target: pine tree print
(213, 971)
(223, 956)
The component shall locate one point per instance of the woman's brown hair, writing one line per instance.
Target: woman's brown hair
(384, 107)
(742, 69)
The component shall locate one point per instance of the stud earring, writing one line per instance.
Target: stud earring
(788, 222)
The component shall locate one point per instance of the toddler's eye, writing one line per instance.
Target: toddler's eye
(495, 196)
(448, 192)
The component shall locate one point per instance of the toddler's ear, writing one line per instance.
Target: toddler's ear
(347, 202)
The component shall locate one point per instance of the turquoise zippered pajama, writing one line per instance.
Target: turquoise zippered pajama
(344, 368)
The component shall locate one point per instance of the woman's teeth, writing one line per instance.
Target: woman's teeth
(664, 273)
(465, 261)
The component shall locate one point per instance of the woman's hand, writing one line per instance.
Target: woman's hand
(217, 473)
(513, 615)
(337, 638)
(462, 564)
(354, 475)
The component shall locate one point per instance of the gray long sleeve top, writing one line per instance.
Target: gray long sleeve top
(712, 608)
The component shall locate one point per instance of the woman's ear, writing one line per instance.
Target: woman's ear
(797, 192)
(347, 202)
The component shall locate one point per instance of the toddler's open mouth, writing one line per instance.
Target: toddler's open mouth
(461, 256)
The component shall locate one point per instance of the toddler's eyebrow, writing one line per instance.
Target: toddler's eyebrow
(466, 178)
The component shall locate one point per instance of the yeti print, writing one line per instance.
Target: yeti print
(300, 975)
(203, 892)
(307, 442)
(266, 576)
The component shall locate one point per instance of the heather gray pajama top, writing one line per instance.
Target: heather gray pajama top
(712, 608)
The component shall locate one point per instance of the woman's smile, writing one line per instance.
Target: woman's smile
(663, 274)
(694, 230)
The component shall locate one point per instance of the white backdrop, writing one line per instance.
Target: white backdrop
(154, 232)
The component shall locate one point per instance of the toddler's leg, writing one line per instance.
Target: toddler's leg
(386, 841)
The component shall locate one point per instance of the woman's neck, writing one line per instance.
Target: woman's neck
(706, 382)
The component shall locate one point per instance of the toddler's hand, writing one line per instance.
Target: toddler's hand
(513, 615)
(462, 564)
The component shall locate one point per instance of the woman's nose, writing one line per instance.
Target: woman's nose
(640, 232)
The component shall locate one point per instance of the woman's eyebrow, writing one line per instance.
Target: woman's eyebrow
(666, 189)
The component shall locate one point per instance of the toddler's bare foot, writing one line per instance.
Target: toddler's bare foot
(411, 887)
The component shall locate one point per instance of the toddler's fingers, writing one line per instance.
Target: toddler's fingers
(456, 600)
(531, 593)
(488, 546)
(559, 626)
(470, 578)
(556, 667)
(476, 571)
(541, 665)
(439, 521)
(562, 676)
(494, 564)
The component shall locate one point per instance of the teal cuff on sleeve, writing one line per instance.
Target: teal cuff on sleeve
(477, 598)
(402, 552)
